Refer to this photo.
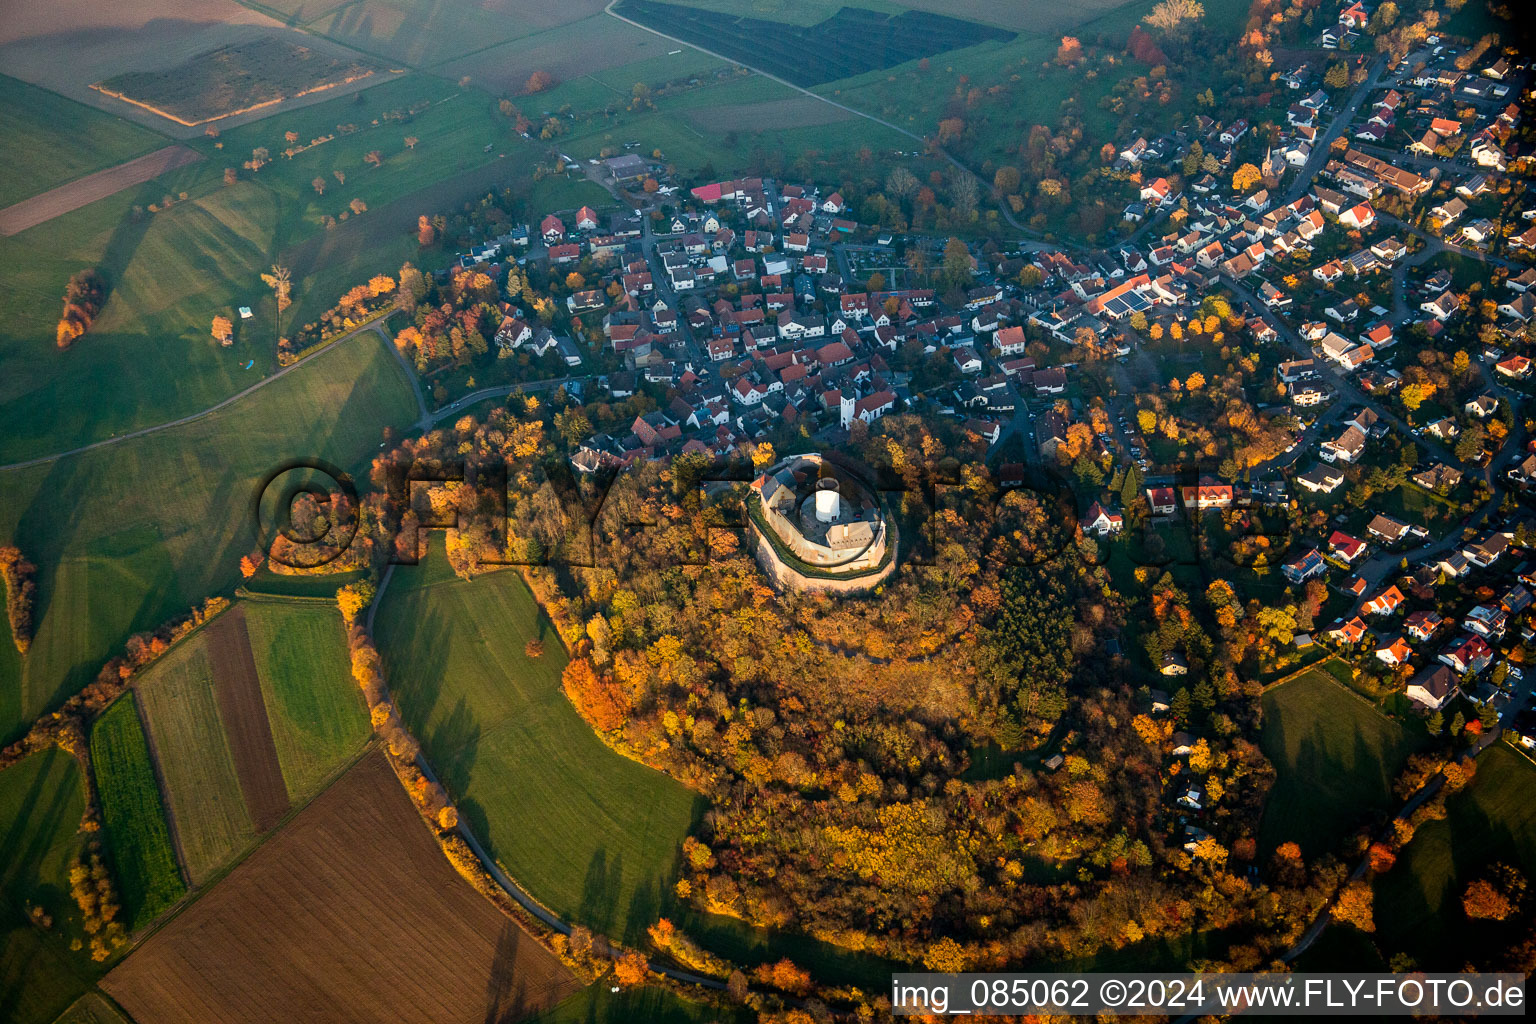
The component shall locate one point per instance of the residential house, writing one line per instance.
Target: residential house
(1351, 632)
(1346, 548)
(1433, 688)
(1388, 602)
(1422, 625)
(1207, 494)
(1386, 529)
(1161, 500)
(1304, 567)
(1321, 479)
(1395, 653)
(1346, 447)
(1101, 521)
(1467, 654)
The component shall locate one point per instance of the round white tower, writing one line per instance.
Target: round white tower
(828, 501)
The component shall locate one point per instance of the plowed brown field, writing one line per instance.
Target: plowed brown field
(350, 913)
(244, 713)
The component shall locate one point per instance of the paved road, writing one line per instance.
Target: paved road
(454, 408)
(1340, 122)
(377, 327)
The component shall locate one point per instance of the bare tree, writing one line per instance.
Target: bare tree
(901, 184)
(963, 192)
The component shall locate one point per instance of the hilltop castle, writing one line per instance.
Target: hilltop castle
(825, 523)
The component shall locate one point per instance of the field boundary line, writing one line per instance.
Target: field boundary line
(608, 10)
(165, 791)
(42, 460)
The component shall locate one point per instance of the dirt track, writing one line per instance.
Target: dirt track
(350, 913)
(244, 713)
(29, 213)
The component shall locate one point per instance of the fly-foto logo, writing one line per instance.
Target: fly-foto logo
(309, 514)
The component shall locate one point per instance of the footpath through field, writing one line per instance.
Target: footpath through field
(376, 327)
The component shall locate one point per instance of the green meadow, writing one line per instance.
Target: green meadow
(319, 720)
(1418, 903)
(41, 800)
(128, 536)
(132, 816)
(1335, 758)
(53, 140)
(591, 834)
(182, 714)
(150, 357)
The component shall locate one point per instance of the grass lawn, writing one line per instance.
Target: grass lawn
(93, 1008)
(53, 140)
(201, 786)
(595, 1004)
(317, 713)
(1418, 903)
(588, 832)
(137, 837)
(149, 357)
(41, 801)
(128, 536)
(1335, 757)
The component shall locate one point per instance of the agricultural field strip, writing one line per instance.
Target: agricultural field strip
(39, 209)
(244, 713)
(874, 41)
(350, 911)
(188, 741)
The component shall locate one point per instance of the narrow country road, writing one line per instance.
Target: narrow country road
(505, 881)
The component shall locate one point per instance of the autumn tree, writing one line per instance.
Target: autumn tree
(630, 969)
(352, 598)
(1070, 51)
(231, 175)
(538, 82)
(223, 330)
(1495, 898)
(249, 564)
(374, 157)
(785, 976)
(964, 192)
(83, 298)
(901, 184)
(957, 263)
(20, 594)
(1245, 177)
(1169, 15)
(357, 206)
(318, 185)
(1354, 906)
(411, 141)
